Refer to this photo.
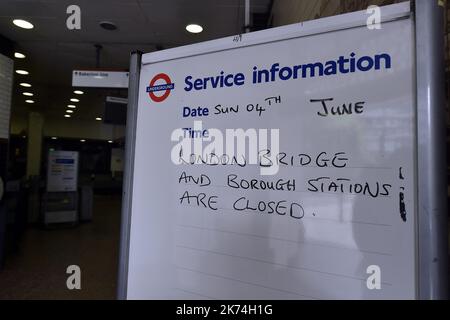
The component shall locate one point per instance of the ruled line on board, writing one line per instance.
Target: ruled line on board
(284, 240)
(339, 169)
(327, 219)
(350, 221)
(195, 293)
(278, 264)
(310, 218)
(246, 282)
(285, 166)
(325, 193)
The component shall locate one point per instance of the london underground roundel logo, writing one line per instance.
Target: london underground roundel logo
(165, 87)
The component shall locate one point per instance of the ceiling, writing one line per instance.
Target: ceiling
(53, 51)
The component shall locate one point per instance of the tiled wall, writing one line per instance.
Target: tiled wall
(293, 11)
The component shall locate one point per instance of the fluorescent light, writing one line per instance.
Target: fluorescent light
(194, 28)
(98, 119)
(78, 92)
(110, 141)
(82, 140)
(71, 106)
(23, 24)
(67, 115)
(19, 55)
(22, 72)
(54, 138)
(28, 94)
(74, 100)
(26, 85)
(29, 101)
(69, 111)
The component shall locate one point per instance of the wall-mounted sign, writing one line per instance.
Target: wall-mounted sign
(62, 171)
(117, 156)
(116, 100)
(6, 82)
(99, 79)
(115, 111)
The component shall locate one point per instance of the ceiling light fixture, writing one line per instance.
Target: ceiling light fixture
(82, 140)
(28, 94)
(71, 106)
(19, 55)
(26, 85)
(22, 72)
(98, 119)
(69, 111)
(74, 100)
(78, 92)
(23, 24)
(110, 141)
(108, 25)
(29, 101)
(67, 115)
(194, 28)
(54, 138)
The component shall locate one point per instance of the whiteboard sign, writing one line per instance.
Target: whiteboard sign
(62, 171)
(324, 209)
(100, 79)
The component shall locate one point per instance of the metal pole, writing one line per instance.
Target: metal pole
(247, 16)
(98, 49)
(431, 151)
(130, 140)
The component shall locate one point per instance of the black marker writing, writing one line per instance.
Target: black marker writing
(402, 206)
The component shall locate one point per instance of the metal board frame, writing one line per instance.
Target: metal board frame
(431, 151)
(127, 191)
(431, 243)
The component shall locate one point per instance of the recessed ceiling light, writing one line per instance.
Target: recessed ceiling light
(26, 85)
(110, 141)
(23, 24)
(98, 119)
(22, 72)
(194, 28)
(78, 92)
(67, 116)
(74, 100)
(19, 55)
(28, 94)
(108, 25)
(54, 138)
(71, 106)
(82, 140)
(69, 111)
(29, 101)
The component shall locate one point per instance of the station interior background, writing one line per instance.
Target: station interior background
(34, 256)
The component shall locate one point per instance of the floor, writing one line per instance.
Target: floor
(38, 270)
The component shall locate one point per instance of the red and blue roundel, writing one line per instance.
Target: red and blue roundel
(165, 87)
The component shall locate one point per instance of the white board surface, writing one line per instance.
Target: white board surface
(186, 251)
(62, 171)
